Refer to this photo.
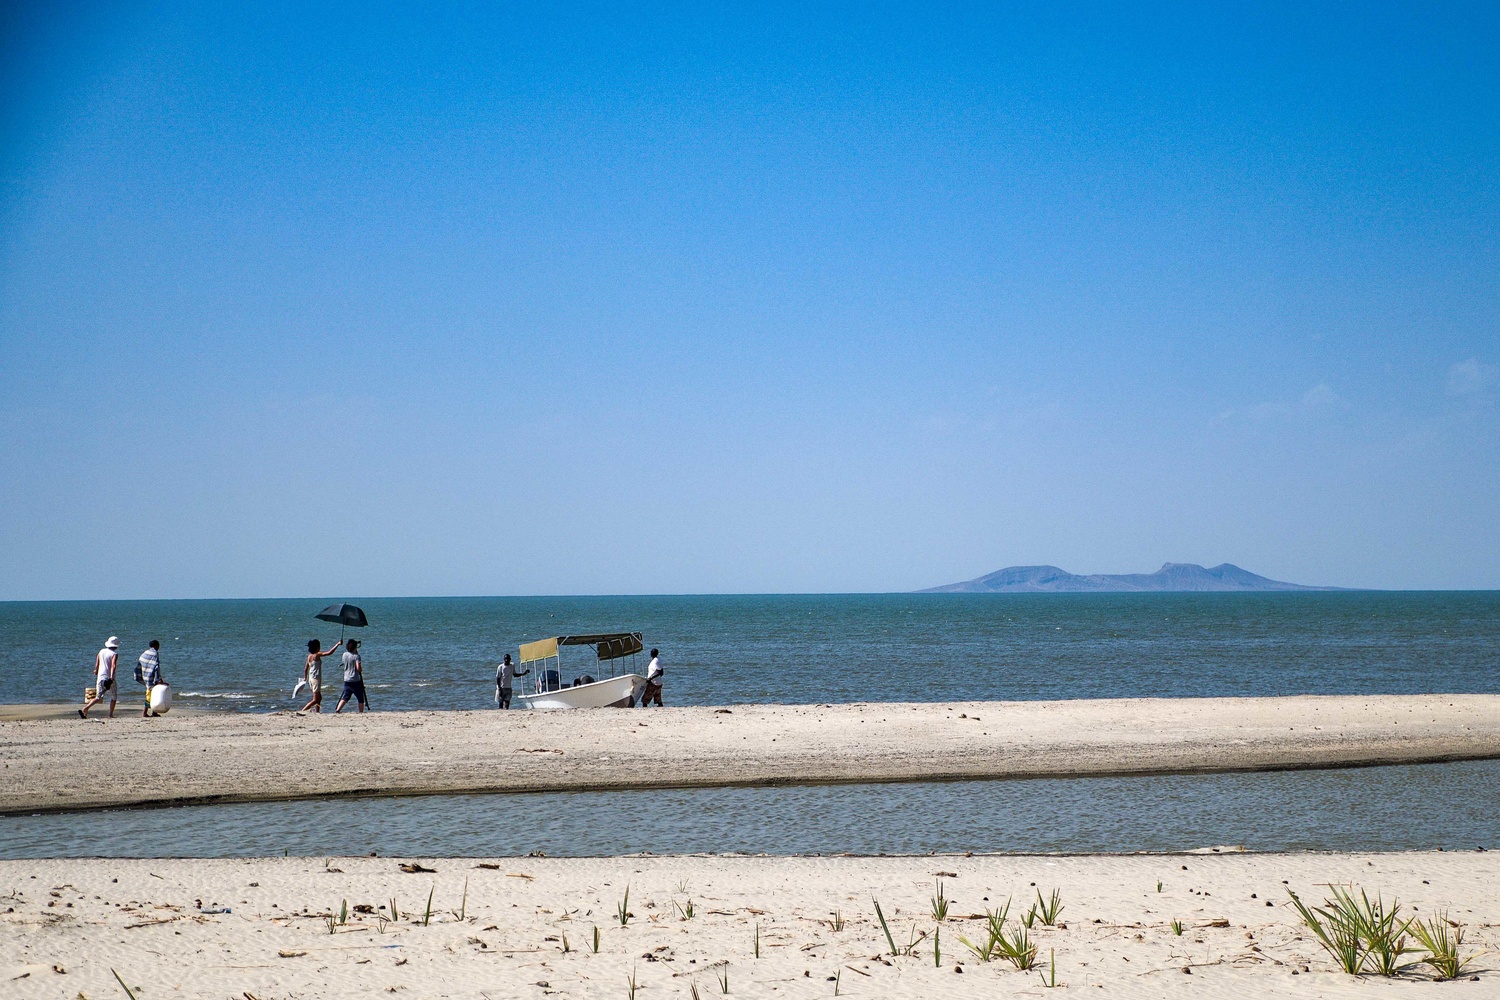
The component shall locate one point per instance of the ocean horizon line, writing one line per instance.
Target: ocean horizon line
(1045, 595)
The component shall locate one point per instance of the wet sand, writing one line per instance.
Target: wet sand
(525, 927)
(68, 763)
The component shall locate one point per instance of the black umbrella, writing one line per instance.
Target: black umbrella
(345, 614)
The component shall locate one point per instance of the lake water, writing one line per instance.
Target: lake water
(1382, 808)
(439, 653)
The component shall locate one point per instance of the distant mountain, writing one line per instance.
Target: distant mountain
(1171, 577)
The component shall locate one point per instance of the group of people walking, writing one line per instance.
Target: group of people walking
(147, 672)
(354, 676)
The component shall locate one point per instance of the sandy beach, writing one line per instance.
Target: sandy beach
(524, 927)
(60, 764)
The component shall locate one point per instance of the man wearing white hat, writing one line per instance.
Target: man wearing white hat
(104, 678)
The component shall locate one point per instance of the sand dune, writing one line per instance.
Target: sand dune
(258, 928)
(72, 764)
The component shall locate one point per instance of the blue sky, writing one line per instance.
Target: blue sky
(308, 300)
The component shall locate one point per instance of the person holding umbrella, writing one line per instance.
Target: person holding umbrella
(347, 616)
(354, 679)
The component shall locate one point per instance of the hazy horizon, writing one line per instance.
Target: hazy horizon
(573, 300)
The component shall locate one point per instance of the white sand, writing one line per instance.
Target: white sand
(65, 924)
(67, 763)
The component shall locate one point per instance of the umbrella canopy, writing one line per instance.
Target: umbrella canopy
(343, 614)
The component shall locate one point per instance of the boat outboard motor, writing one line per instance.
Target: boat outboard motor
(585, 679)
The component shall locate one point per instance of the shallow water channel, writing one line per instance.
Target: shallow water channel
(1453, 806)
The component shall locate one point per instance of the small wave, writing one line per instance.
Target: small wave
(236, 695)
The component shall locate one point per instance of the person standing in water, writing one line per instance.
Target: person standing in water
(653, 681)
(104, 677)
(505, 676)
(354, 679)
(312, 672)
(148, 672)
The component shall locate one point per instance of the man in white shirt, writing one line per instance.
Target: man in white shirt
(653, 681)
(104, 677)
(505, 678)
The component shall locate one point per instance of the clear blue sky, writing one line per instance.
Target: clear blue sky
(330, 300)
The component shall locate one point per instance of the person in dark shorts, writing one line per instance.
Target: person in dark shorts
(505, 677)
(354, 679)
(653, 681)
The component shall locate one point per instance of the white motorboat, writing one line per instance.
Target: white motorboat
(548, 690)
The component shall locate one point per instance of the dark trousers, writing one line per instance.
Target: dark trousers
(503, 696)
(653, 691)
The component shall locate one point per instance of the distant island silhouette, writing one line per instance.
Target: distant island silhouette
(1172, 577)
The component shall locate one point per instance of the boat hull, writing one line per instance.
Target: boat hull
(612, 692)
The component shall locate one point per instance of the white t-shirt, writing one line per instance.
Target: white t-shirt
(505, 675)
(654, 671)
(104, 664)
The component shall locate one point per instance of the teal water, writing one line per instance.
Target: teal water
(439, 653)
(1429, 806)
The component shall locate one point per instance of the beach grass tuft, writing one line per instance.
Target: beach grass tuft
(940, 903)
(723, 977)
(1158, 887)
(463, 906)
(838, 979)
(622, 909)
(693, 990)
(937, 947)
(596, 939)
(632, 984)
(1028, 919)
(1049, 908)
(344, 912)
(565, 946)
(1176, 926)
(1360, 935)
(837, 923)
(427, 917)
(1443, 940)
(1017, 948)
(757, 939)
(994, 930)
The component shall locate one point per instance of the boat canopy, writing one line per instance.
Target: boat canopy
(607, 645)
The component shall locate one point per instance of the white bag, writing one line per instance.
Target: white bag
(298, 689)
(161, 699)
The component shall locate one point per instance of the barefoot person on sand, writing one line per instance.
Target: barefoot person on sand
(148, 672)
(104, 677)
(312, 671)
(354, 679)
(653, 681)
